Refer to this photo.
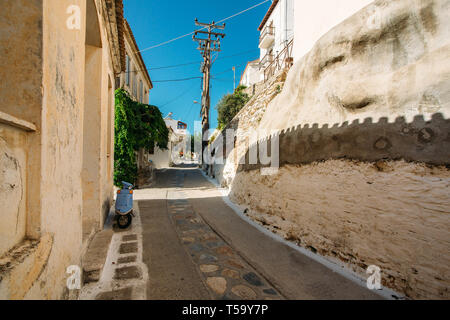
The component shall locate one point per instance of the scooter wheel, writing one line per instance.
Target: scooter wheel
(124, 221)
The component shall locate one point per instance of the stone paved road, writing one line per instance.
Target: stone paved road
(196, 247)
(186, 259)
(187, 243)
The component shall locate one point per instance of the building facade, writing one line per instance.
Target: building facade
(276, 38)
(59, 62)
(290, 29)
(135, 79)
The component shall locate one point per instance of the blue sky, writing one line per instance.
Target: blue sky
(156, 21)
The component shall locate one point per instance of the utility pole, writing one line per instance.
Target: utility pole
(234, 78)
(209, 41)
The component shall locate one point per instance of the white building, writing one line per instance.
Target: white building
(177, 140)
(290, 28)
(178, 127)
(251, 74)
(275, 43)
(277, 34)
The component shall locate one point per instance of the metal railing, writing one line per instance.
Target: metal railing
(267, 60)
(283, 60)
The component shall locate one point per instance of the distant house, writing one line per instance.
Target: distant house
(178, 127)
(177, 138)
(251, 74)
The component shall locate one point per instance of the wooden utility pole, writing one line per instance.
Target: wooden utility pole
(209, 41)
(234, 79)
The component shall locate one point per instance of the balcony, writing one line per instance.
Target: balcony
(267, 37)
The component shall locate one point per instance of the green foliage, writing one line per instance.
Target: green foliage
(137, 126)
(229, 106)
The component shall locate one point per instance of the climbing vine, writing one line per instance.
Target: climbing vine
(137, 126)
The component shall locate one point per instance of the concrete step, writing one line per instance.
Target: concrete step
(95, 257)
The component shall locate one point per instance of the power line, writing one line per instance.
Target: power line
(191, 33)
(228, 70)
(191, 78)
(175, 80)
(194, 62)
(197, 62)
(178, 97)
(173, 66)
(189, 111)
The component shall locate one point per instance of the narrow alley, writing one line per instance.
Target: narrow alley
(196, 247)
(214, 151)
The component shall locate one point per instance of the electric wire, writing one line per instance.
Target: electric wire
(179, 96)
(191, 33)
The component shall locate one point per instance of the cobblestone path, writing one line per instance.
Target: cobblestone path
(225, 273)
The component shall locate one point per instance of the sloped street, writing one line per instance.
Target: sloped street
(195, 246)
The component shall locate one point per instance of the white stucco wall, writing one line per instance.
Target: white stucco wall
(251, 75)
(282, 18)
(312, 19)
(161, 158)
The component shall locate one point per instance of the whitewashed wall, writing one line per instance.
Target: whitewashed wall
(251, 75)
(312, 19)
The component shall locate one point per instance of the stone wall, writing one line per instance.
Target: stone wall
(244, 124)
(363, 128)
(392, 214)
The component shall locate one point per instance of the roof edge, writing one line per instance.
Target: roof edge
(137, 52)
(268, 13)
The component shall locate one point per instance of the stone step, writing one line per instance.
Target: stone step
(95, 257)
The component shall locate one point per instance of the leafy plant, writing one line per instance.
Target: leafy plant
(230, 105)
(137, 126)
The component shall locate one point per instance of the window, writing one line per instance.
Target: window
(141, 92)
(134, 85)
(127, 71)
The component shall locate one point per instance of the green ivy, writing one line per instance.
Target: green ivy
(137, 126)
